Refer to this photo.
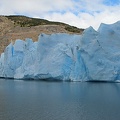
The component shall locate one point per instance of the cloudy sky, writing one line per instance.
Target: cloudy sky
(80, 13)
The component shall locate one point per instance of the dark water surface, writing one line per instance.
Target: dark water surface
(40, 100)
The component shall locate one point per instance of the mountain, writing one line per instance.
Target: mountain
(92, 56)
(21, 27)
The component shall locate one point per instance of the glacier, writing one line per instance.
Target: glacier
(92, 56)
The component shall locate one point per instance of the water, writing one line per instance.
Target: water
(41, 100)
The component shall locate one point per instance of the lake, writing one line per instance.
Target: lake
(43, 100)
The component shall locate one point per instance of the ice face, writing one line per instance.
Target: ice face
(12, 58)
(94, 55)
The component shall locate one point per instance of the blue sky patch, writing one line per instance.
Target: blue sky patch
(111, 2)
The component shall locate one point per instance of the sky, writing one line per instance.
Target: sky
(79, 13)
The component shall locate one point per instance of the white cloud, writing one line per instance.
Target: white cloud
(24, 6)
(68, 18)
(84, 20)
(80, 13)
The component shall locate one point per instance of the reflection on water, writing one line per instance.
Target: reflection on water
(41, 100)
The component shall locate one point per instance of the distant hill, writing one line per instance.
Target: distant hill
(21, 27)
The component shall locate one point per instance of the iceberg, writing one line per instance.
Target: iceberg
(92, 56)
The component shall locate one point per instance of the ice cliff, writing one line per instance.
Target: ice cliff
(94, 55)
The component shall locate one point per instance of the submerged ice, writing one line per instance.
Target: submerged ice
(94, 55)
